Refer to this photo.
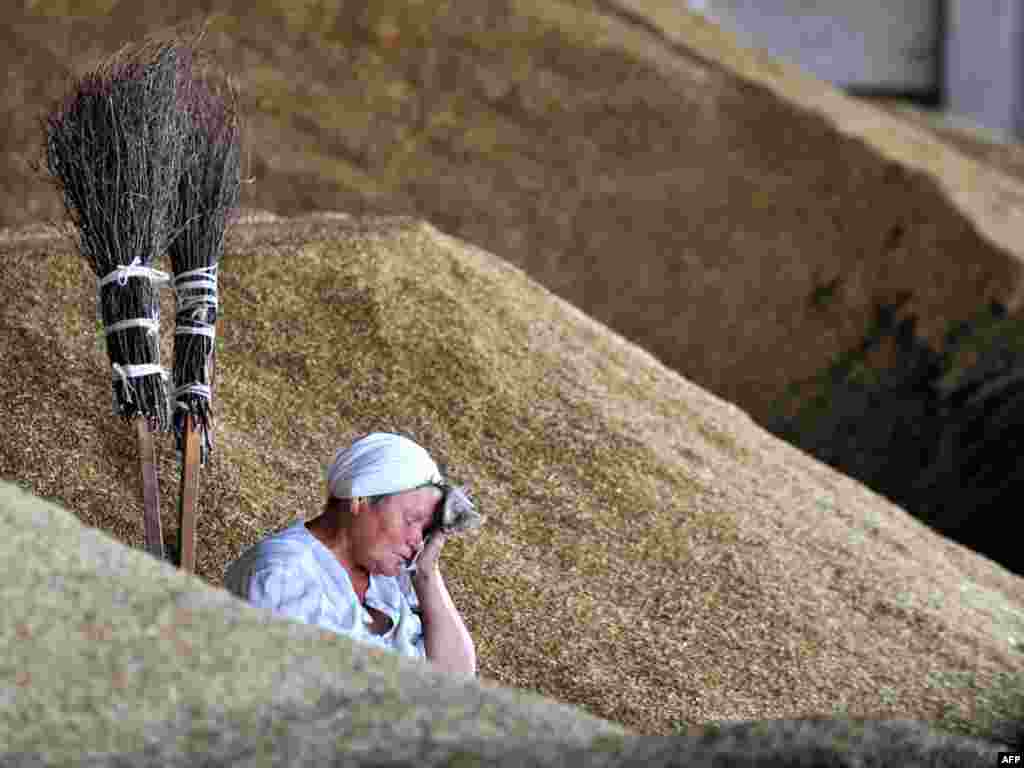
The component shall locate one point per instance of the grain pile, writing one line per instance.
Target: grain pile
(650, 553)
(745, 223)
(696, 196)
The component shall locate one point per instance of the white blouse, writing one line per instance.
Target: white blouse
(293, 574)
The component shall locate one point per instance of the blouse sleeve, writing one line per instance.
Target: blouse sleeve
(285, 590)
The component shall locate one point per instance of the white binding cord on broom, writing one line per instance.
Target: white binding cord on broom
(124, 373)
(195, 293)
(120, 274)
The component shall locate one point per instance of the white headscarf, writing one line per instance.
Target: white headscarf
(378, 464)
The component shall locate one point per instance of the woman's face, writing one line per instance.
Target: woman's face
(390, 533)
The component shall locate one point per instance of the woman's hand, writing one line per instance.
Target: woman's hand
(427, 564)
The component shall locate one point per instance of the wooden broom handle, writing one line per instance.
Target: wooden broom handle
(150, 490)
(189, 495)
(188, 499)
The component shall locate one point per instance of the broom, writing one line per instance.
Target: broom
(114, 147)
(208, 194)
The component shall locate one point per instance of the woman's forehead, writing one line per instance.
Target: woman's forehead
(419, 500)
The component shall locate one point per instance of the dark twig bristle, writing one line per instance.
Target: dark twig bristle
(115, 145)
(208, 194)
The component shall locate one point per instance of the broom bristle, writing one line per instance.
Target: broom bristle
(114, 145)
(208, 194)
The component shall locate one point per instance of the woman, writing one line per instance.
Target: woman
(348, 570)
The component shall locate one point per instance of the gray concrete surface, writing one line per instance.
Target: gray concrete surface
(874, 45)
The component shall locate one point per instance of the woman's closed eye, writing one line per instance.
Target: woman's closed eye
(417, 524)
